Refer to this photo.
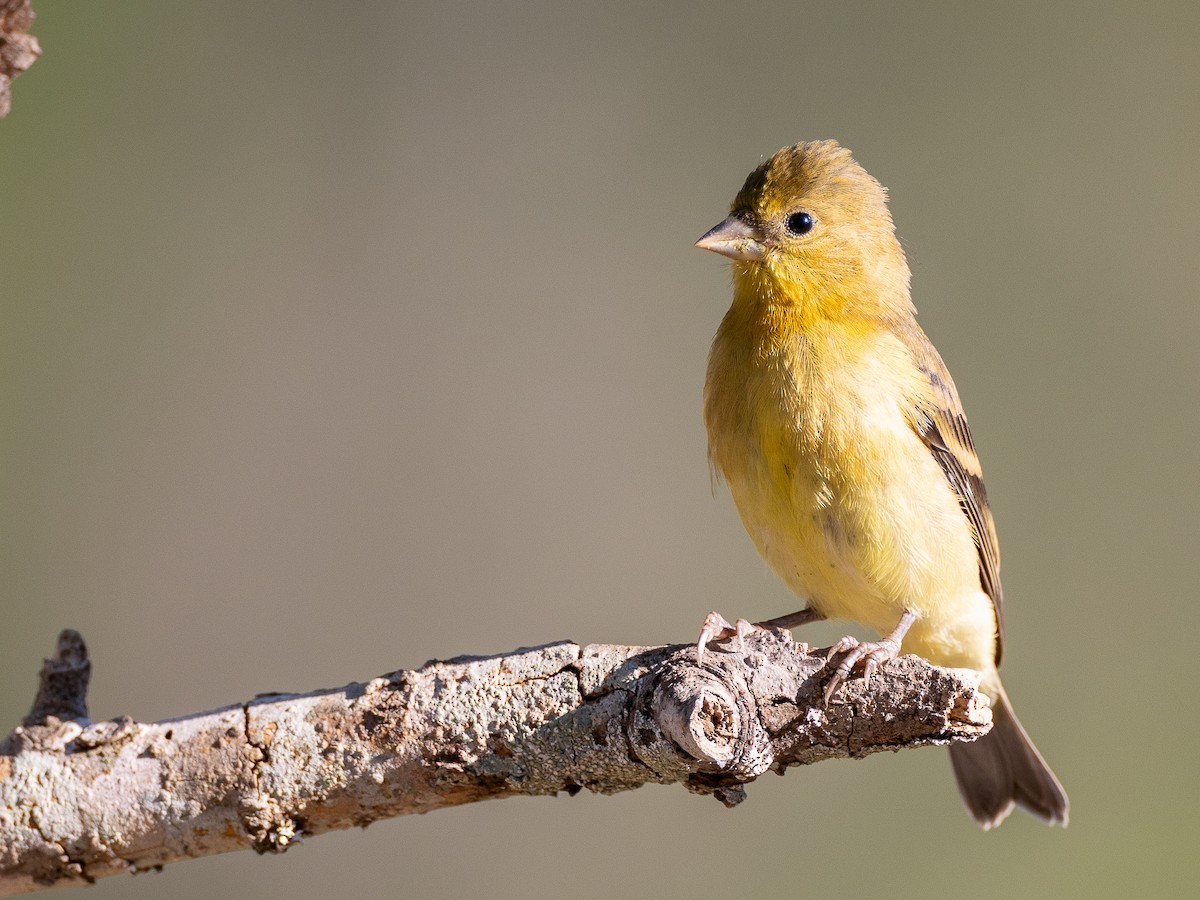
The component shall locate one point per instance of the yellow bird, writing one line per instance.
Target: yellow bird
(841, 436)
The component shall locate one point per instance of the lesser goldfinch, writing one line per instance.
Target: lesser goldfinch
(843, 441)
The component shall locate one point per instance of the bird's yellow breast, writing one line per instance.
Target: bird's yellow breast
(810, 423)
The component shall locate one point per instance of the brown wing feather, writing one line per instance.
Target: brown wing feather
(943, 427)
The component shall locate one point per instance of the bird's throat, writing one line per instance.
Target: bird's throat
(774, 313)
(777, 309)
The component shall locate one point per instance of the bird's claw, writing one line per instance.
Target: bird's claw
(717, 627)
(872, 654)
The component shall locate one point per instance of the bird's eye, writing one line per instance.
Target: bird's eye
(799, 223)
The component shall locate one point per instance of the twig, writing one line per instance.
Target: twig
(79, 801)
(18, 48)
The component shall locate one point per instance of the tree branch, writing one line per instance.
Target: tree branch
(79, 801)
(18, 48)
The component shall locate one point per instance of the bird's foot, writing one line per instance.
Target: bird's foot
(872, 654)
(717, 627)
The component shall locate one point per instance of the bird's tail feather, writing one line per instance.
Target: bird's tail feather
(1004, 767)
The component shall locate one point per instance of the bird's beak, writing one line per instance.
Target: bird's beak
(735, 238)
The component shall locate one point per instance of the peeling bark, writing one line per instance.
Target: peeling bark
(82, 800)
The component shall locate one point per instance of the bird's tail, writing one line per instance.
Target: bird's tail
(1003, 767)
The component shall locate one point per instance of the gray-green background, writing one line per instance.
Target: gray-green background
(336, 337)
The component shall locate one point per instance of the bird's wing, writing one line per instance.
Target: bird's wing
(942, 425)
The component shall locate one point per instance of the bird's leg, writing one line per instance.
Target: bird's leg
(717, 627)
(793, 620)
(873, 652)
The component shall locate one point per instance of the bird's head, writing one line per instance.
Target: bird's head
(814, 226)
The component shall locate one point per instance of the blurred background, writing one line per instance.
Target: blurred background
(337, 339)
